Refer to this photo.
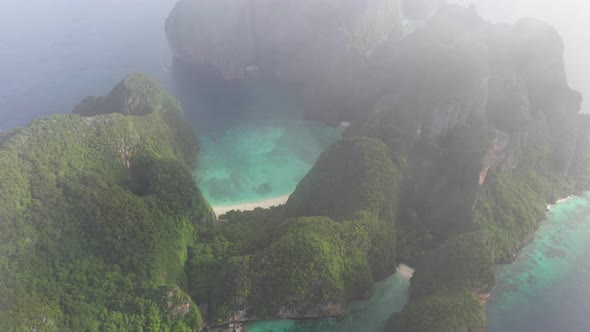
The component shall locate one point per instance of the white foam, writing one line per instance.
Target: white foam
(405, 270)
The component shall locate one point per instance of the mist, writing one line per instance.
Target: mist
(570, 17)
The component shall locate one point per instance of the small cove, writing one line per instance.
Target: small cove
(548, 286)
(389, 296)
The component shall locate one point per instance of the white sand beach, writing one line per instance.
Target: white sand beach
(222, 209)
(405, 271)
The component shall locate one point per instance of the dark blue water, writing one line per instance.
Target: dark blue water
(55, 52)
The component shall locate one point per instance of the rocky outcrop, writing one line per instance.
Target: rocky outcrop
(290, 39)
(496, 155)
(321, 47)
(469, 102)
(137, 94)
(533, 50)
(180, 306)
(417, 73)
(105, 208)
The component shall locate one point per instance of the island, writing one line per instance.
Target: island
(461, 132)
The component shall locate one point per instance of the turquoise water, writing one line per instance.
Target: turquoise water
(389, 296)
(255, 141)
(547, 288)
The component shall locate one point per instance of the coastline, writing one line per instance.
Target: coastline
(267, 203)
(535, 269)
(405, 271)
(562, 200)
(484, 297)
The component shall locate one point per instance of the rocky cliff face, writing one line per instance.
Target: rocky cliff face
(290, 39)
(137, 94)
(322, 47)
(437, 78)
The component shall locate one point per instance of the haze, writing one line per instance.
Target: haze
(570, 17)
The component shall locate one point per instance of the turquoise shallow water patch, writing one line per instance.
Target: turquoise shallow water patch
(255, 142)
(260, 159)
(389, 296)
(547, 288)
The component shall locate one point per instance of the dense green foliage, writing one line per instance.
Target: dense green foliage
(295, 260)
(363, 164)
(511, 206)
(323, 47)
(485, 143)
(97, 215)
(441, 312)
(444, 287)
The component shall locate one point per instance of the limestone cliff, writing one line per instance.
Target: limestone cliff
(322, 47)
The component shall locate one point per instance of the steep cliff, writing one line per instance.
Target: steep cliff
(464, 131)
(322, 47)
(487, 129)
(97, 214)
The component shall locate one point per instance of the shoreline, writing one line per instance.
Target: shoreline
(562, 200)
(267, 203)
(405, 271)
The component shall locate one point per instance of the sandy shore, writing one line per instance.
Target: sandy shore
(405, 271)
(222, 209)
(563, 200)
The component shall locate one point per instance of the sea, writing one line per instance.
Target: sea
(256, 144)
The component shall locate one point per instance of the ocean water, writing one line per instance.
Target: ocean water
(54, 53)
(390, 295)
(547, 288)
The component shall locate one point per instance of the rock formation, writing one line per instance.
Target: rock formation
(321, 47)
